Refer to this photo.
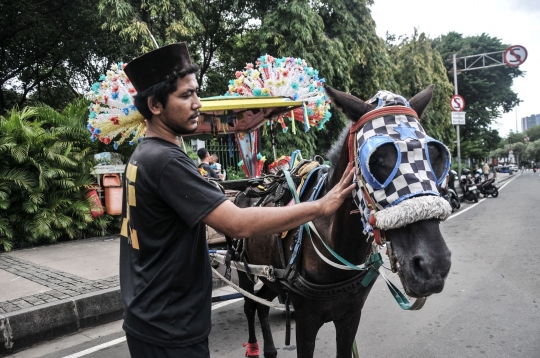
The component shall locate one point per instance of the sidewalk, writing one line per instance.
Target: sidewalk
(50, 291)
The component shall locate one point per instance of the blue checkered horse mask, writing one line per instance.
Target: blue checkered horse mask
(398, 165)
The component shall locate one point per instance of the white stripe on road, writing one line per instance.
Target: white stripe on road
(96, 348)
(122, 339)
(225, 303)
(472, 206)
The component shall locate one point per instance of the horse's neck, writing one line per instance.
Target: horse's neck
(344, 224)
(342, 232)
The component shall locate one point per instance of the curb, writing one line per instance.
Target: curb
(24, 328)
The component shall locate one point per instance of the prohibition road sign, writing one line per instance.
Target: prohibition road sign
(515, 55)
(457, 103)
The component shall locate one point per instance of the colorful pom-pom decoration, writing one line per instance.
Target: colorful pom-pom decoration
(285, 77)
(112, 112)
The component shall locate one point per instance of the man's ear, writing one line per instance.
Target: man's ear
(154, 105)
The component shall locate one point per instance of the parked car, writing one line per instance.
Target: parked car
(506, 169)
(514, 167)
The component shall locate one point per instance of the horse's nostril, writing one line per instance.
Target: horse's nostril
(418, 267)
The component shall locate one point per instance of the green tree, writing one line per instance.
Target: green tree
(337, 38)
(533, 133)
(206, 25)
(51, 50)
(532, 152)
(487, 92)
(418, 65)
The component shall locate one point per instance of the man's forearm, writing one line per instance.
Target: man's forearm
(258, 221)
(272, 220)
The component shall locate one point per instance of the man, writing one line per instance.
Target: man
(165, 275)
(204, 168)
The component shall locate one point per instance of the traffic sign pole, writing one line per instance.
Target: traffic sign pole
(457, 126)
(512, 56)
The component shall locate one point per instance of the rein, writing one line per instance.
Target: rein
(369, 269)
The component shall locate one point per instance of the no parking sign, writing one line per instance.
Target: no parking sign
(515, 55)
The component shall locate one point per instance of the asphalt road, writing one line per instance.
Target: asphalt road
(489, 306)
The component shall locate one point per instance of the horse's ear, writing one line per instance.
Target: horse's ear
(421, 100)
(351, 106)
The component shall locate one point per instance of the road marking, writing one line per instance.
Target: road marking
(479, 202)
(225, 303)
(122, 339)
(96, 348)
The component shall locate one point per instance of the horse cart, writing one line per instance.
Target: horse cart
(325, 268)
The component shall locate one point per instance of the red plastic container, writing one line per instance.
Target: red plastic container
(96, 209)
(111, 180)
(113, 200)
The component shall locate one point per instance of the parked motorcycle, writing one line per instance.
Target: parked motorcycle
(448, 193)
(489, 187)
(468, 186)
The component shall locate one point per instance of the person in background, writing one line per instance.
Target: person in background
(486, 170)
(205, 168)
(216, 166)
(165, 273)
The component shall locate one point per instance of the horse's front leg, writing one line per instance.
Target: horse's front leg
(345, 332)
(262, 310)
(250, 307)
(307, 326)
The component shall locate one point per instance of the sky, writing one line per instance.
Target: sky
(515, 22)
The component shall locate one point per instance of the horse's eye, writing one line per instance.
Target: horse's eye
(382, 161)
(437, 158)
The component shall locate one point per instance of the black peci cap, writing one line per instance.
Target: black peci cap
(155, 66)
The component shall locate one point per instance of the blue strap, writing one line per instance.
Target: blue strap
(314, 196)
(306, 182)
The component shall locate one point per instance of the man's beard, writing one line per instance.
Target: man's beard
(180, 130)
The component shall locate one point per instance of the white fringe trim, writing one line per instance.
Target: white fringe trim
(413, 210)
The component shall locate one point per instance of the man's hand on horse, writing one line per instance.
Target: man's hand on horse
(259, 221)
(343, 190)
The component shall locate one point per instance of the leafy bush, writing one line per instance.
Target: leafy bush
(45, 162)
(235, 174)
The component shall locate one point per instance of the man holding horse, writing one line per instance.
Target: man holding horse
(165, 275)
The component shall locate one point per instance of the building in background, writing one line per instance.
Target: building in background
(530, 121)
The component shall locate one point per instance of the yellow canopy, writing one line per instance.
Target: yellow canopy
(221, 114)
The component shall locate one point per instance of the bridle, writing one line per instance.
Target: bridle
(368, 216)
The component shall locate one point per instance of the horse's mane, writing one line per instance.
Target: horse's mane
(335, 151)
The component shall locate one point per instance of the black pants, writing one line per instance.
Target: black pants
(140, 349)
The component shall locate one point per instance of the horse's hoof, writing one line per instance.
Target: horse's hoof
(252, 349)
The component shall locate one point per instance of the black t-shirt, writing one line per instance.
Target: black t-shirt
(208, 171)
(165, 275)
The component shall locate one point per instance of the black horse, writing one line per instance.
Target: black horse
(422, 257)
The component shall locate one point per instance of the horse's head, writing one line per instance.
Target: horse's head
(398, 169)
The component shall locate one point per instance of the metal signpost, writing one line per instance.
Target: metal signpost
(513, 56)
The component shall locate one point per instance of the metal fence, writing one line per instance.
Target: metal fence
(227, 151)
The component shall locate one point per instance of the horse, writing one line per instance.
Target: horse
(418, 251)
